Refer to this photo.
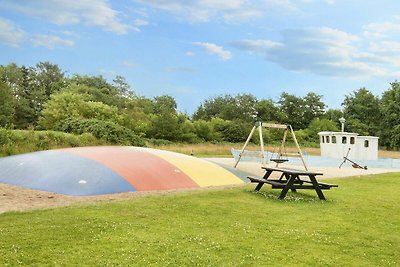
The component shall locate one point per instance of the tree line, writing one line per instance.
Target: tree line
(42, 97)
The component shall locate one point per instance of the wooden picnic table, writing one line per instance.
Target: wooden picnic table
(290, 179)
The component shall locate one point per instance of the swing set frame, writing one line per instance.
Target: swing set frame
(286, 128)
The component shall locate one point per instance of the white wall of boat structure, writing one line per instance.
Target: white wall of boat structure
(351, 145)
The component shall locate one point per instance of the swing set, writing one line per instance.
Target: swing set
(281, 155)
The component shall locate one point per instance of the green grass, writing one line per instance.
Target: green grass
(359, 225)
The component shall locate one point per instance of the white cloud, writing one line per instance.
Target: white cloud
(216, 50)
(50, 41)
(180, 69)
(10, 34)
(139, 23)
(256, 46)
(323, 51)
(381, 30)
(383, 42)
(283, 5)
(242, 15)
(204, 10)
(329, 2)
(189, 53)
(63, 12)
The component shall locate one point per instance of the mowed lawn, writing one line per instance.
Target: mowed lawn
(359, 225)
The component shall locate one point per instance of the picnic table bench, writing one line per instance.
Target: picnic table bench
(290, 179)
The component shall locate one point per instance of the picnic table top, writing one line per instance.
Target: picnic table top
(291, 171)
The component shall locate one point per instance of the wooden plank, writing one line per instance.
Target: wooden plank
(322, 184)
(256, 179)
(298, 147)
(274, 125)
(292, 171)
(245, 144)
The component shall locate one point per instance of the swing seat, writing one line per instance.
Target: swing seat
(279, 160)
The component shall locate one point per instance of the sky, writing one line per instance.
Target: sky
(200, 49)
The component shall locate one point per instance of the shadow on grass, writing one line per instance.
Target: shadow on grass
(290, 197)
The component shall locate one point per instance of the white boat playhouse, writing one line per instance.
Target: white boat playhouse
(350, 145)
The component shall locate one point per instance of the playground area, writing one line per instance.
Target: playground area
(17, 198)
(186, 224)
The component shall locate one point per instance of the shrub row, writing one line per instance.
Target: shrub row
(105, 130)
(23, 141)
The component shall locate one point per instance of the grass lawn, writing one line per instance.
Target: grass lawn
(359, 225)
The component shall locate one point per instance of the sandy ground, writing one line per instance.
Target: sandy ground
(14, 198)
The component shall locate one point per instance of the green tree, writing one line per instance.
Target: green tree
(98, 89)
(165, 126)
(204, 130)
(66, 105)
(362, 108)
(31, 87)
(313, 107)
(7, 108)
(48, 78)
(300, 111)
(164, 104)
(333, 115)
(292, 107)
(228, 107)
(137, 115)
(390, 122)
(123, 87)
(268, 111)
(236, 131)
(320, 125)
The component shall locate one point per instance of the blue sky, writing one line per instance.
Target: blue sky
(194, 50)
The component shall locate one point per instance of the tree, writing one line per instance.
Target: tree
(204, 130)
(31, 88)
(7, 108)
(292, 107)
(164, 104)
(165, 126)
(98, 89)
(363, 107)
(236, 131)
(267, 111)
(313, 107)
(390, 123)
(123, 87)
(298, 111)
(67, 105)
(320, 125)
(333, 115)
(227, 107)
(48, 77)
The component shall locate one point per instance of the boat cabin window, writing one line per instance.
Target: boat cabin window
(352, 140)
(344, 140)
(366, 143)
(327, 139)
(323, 139)
(334, 139)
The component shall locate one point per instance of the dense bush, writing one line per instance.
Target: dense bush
(105, 130)
(21, 141)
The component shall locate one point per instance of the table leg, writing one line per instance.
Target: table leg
(288, 185)
(266, 175)
(258, 187)
(316, 187)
